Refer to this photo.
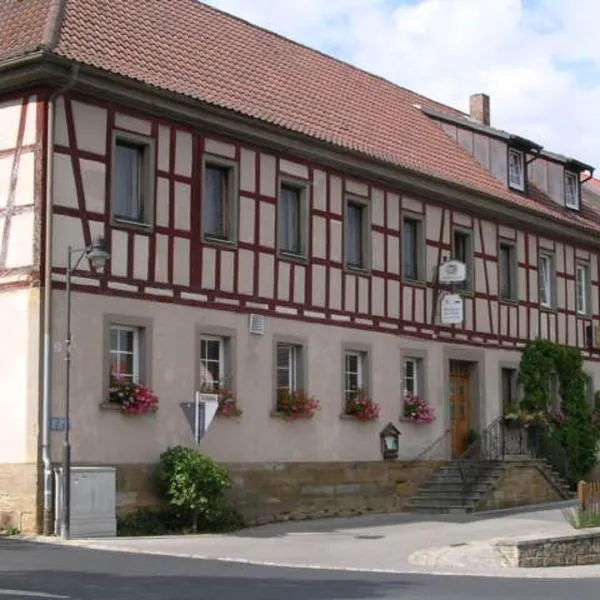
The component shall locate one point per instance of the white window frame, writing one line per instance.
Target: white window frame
(514, 183)
(415, 362)
(572, 183)
(292, 367)
(545, 266)
(214, 384)
(582, 287)
(359, 372)
(135, 375)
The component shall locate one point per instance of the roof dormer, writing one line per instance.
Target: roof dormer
(573, 180)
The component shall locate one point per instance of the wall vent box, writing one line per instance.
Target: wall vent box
(256, 324)
(93, 501)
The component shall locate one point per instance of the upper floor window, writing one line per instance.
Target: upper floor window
(582, 289)
(507, 272)
(218, 211)
(292, 221)
(571, 190)
(356, 235)
(132, 180)
(546, 276)
(411, 245)
(462, 250)
(516, 169)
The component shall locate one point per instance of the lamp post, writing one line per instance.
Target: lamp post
(97, 255)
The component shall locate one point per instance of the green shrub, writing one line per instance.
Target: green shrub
(582, 519)
(194, 486)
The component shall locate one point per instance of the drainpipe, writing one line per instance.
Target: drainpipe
(47, 343)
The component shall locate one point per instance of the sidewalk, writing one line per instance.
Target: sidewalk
(442, 544)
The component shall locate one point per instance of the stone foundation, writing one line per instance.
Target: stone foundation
(582, 549)
(284, 491)
(522, 483)
(19, 497)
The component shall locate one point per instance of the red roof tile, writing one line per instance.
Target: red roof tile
(192, 49)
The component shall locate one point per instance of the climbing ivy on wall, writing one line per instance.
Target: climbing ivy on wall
(541, 361)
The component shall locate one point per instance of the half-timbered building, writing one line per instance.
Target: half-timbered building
(275, 219)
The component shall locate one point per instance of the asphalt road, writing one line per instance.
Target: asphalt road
(29, 570)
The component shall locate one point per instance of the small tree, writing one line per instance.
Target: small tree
(192, 482)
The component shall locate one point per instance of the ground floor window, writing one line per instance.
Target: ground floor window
(354, 373)
(288, 367)
(125, 352)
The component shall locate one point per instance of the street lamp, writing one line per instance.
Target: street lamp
(97, 255)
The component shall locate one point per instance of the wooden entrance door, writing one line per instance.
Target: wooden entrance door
(460, 401)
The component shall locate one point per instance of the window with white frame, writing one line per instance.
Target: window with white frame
(354, 373)
(218, 213)
(546, 274)
(125, 352)
(571, 190)
(291, 219)
(582, 287)
(132, 180)
(288, 367)
(411, 377)
(516, 169)
(212, 362)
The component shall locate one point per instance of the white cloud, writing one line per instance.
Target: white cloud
(448, 49)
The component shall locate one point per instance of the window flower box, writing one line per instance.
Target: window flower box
(130, 397)
(417, 410)
(227, 403)
(296, 404)
(360, 406)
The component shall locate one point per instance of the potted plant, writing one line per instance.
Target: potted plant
(361, 406)
(227, 403)
(296, 404)
(134, 398)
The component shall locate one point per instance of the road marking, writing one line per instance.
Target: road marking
(29, 594)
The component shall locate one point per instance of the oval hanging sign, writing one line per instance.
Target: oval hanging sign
(452, 271)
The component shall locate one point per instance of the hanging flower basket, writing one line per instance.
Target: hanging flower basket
(227, 403)
(361, 406)
(417, 410)
(296, 404)
(133, 398)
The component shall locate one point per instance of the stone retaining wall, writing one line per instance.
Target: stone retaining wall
(580, 549)
(267, 492)
(19, 496)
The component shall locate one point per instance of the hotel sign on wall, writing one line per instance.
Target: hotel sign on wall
(452, 271)
(452, 309)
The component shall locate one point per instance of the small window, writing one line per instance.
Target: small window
(582, 289)
(356, 232)
(571, 190)
(125, 352)
(546, 274)
(508, 272)
(462, 250)
(132, 181)
(516, 169)
(411, 246)
(218, 202)
(288, 368)
(212, 363)
(354, 373)
(411, 377)
(509, 388)
(292, 220)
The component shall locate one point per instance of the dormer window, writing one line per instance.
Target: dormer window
(516, 169)
(571, 190)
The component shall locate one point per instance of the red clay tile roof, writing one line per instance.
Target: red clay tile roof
(192, 49)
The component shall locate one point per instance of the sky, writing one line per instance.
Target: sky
(538, 60)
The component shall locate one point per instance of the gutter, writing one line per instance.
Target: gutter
(47, 340)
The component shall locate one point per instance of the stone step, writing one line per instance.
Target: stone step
(453, 489)
(440, 501)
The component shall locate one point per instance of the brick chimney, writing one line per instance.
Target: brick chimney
(480, 108)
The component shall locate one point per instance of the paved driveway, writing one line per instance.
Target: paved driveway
(445, 544)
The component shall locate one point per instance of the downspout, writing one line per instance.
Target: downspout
(47, 343)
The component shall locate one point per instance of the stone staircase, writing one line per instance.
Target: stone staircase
(445, 492)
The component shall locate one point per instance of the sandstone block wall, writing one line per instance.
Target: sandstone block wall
(19, 496)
